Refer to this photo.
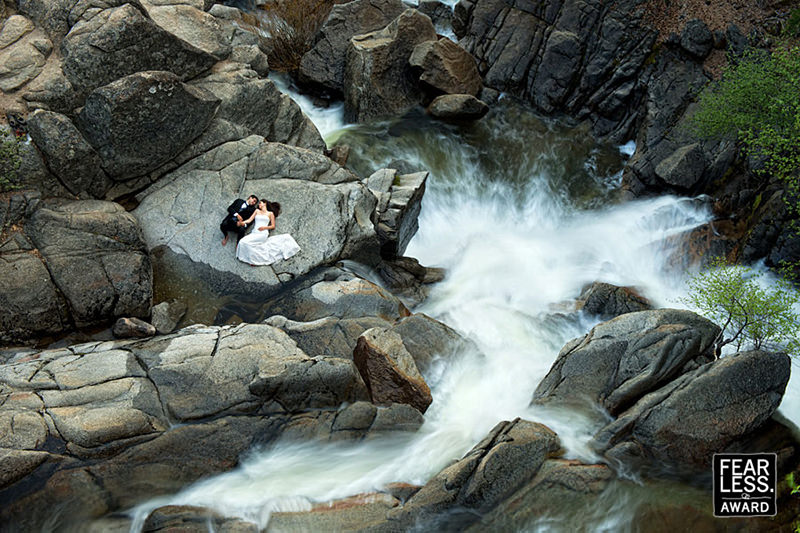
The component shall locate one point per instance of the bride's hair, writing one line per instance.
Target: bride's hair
(274, 207)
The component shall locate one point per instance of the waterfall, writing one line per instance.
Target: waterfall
(521, 213)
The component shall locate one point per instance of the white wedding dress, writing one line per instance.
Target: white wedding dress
(259, 248)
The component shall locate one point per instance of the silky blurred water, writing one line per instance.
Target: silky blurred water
(522, 213)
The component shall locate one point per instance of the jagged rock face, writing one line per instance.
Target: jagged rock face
(120, 41)
(325, 208)
(68, 263)
(97, 258)
(68, 154)
(141, 121)
(685, 422)
(397, 213)
(577, 57)
(378, 81)
(621, 360)
(324, 64)
(112, 423)
(668, 157)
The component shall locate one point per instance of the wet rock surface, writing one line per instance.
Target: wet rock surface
(680, 426)
(621, 360)
(114, 422)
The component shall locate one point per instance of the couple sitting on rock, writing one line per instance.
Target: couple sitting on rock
(258, 248)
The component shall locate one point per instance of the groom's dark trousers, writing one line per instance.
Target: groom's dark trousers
(229, 222)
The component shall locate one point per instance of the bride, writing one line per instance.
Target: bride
(259, 248)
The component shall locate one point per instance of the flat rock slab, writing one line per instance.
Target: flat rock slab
(325, 208)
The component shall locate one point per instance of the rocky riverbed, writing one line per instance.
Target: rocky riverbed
(456, 390)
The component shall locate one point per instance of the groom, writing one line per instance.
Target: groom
(238, 211)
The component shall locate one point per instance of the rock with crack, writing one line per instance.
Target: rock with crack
(325, 208)
(143, 120)
(23, 52)
(97, 258)
(503, 462)
(68, 154)
(111, 423)
(378, 81)
(621, 360)
(70, 263)
(677, 428)
(324, 64)
(119, 41)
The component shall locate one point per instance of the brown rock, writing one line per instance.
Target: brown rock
(447, 67)
(132, 327)
(389, 371)
(457, 107)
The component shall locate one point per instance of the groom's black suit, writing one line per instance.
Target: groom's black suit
(229, 222)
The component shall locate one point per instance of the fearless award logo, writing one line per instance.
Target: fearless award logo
(744, 484)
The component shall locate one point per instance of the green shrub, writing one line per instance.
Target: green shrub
(291, 26)
(10, 161)
(750, 315)
(758, 99)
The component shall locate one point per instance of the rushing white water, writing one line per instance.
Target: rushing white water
(504, 215)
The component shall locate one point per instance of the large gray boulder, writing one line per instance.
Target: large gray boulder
(120, 41)
(378, 81)
(141, 121)
(260, 108)
(324, 63)
(446, 67)
(325, 208)
(684, 423)
(67, 153)
(621, 360)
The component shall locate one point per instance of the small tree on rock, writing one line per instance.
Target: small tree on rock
(750, 315)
